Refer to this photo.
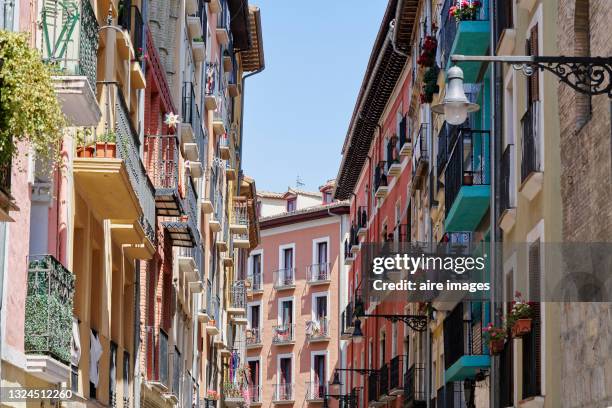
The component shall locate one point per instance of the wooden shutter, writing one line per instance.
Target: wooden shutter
(533, 80)
(532, 346)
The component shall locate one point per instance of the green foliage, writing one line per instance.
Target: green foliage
(29, 109)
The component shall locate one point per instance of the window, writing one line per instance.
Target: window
(320, 268)
(254, 383)
(318, 375)
(319, 307)
(383, 349)
(285, 315)
(284, 389)
(7, 13)
(258, 209)
(327, 197)
(256, 269)
(393, 339)
(291, 204)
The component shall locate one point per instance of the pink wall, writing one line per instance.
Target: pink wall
(302, 236)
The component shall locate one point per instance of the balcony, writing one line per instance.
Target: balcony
(507, 205)
(111, 177)
(210, 87)
(283, 394)
(315, 391)
(420, 159)
(241, 240)
(220, 127)
(193, 142)
(465, 354)
(238, 300)
(253, 338)
(318, 330)
(466, 188)
(48, 319)
(189, 261)
(195, 22)
(284, 279)
(318, 274)
(405, 141)
(233, 394)
(469, 37)
(157, 359)
(240, 217)
(255, 283)
(222, 238)
(381, 185)
(184, 232)
(7, 202)
(283, 334)
(414, 387)
(161, 156)
(255, 395)
(383, 385)
(373, 391)
(396, 378)
(532, 174)
(224, 146)
(212, 309)
(362, 222)
(74, 25)
(223, 25)
(130, 44)
(394, 160)
(346, 331)
(349, 257)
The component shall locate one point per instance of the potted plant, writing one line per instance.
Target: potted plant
(212, 395)
(520, 317)
(430, 85)
(427, 58)
(468, 178)
(106, 145)
(465, 10)
(496, 337)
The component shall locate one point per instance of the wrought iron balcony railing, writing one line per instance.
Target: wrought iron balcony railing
(161, 157)
(420, 155)
(320, 272)
(396, 380)
(284, 278)
(362, 217)
(316, 391)
(283, 392)
(177, 370)
(468, 164)
(238, 298)
(414, 384)
(283, 333)
(467, 338)
(233, 391)
(212, 304)
(373, 387)
(505, 170)
(317, 329)
(393, 156)
(255, 281)
(48, 310)
(347, 319)
(70, 38)
(380, 175)
(255, 394)
(383, 380)
(253, 336)
(404, 136)
(531, 157)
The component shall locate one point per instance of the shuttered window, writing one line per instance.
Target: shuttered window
(533, 81)
(532, 346)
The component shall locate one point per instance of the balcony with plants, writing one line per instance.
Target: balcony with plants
(283, 334)
(70, 39)
(110, 174)
(467, 180)
(466, 353)
(318, 329)
(319, 273)
(48, 318)
(237, 299)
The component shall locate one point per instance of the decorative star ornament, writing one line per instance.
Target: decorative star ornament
(172, 120)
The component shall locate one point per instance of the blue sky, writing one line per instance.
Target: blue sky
(298, 109)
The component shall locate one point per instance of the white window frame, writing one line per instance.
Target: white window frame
(313, 354)
(259, 252)
(250, 313)
(258, 359)
(315, 245)
(280, 309)
(278, 367)
(313, 305)
(281, 258)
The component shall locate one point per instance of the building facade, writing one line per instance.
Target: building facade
(127, 264)
(294, 275)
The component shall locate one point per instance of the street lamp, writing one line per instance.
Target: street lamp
(587, 75)
(357, 333)
(455, 106)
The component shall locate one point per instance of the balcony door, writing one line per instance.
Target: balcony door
(320, 308)
(285, 378)
(287, 273)
(254, 311)
(254, 379)
(286, 313)
(319, 374)
(322, 259)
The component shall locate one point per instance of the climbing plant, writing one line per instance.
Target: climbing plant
(29, 108)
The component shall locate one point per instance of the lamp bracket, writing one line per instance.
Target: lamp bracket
(415, 322)
(587, 75)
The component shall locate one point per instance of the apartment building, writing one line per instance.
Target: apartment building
(128, 265)
(292, 310)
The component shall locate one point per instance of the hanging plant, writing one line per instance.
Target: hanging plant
(427, 58)
(29, 109)
(430, 85)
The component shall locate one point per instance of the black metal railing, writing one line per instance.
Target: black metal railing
(177, 369)
(256, 281)
(284, 277)
(530, 158)
(462, 338)
(505, 170)
(393, 156)
(362, 217)
(48, 308)
(161, 156)
(404, 137)
(319, 272)
(188, 105)
(396, 365)
(447, 137)
(373, 387)
(315, 391)
(383, 380)
(238, 295)
(448, 29)
(468, 164)
(283, 392)
(347, 319)
(137, 34)
(283, 333)
(420, 155)
(414, 384)
(380, 175)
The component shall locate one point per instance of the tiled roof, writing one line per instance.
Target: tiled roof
(306, 210)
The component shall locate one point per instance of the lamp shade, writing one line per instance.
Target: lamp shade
(357, 333)
(456, 105)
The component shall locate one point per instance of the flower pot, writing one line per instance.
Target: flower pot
(496, 346)
(106, 150)
(468, 179)
(521, 327)
(86, 151)
(184, 218)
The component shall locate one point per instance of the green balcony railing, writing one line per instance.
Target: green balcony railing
(48, 311)
(70, 38)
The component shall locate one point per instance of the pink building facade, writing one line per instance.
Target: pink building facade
(293, 314)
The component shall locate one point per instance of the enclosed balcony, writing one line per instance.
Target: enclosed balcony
(420, 159)
(381, 184)
(469, 36)
(70, 44)
(161, 156)
(283, 394)
(48, 319)
(467, 181)
(111, 177)
(184, 231)
(318, 274)
(238, 300)
(283, 334)
(284, 279)
(465, 353)
(318, 330)
(316, 391)
(233, 394)
(532, 172)
(414, 387)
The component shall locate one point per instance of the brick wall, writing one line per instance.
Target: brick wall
(586, 177)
